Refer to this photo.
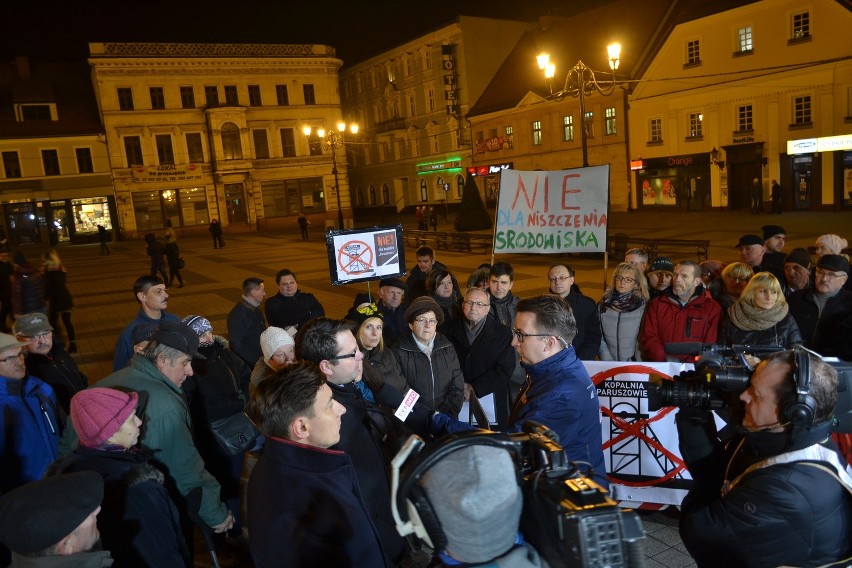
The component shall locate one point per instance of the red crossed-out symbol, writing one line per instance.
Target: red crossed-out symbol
(355, 257)
(636, 429)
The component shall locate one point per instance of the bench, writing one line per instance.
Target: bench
(665, 247)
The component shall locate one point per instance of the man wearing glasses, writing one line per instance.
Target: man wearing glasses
(484, 349)
(824, 312)
(364, 428)
(588, 339)
(48, 359)
(29, 431)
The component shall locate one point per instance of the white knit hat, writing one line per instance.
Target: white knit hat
(272, 339)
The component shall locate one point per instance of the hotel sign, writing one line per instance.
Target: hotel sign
(824, 144)
(167, 173)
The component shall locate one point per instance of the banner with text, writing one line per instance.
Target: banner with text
(552, 212)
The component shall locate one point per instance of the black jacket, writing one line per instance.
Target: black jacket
(138, 521)
(245, 324)
(828, 333)
(784, 514)
(588, 340)
(785, 334)
(284, 311)
(60, 371)
(488, 363)
(438, 379)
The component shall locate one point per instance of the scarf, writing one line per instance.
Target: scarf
(626, 302)
(751, 318)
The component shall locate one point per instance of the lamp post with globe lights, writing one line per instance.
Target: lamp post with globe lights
(331, 140)
(581, 81)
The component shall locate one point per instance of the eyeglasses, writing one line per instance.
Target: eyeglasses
(828, 275)
(625, 279)
(12, 358)
(559, 278)
(520, 335)
(42, 335)
(352, 355)
(470, 304)
(736, 280)
(426, 322)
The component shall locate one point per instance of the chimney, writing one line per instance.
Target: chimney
(22, 63)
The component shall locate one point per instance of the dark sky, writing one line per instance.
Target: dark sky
(61, 29)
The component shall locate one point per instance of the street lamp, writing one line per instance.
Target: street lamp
(581, 82)
(331, 140)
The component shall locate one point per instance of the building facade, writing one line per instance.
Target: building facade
(411, 103)
(55, 184)
(742, 95)
(198, 132)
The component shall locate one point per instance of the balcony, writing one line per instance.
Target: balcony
(390, 125)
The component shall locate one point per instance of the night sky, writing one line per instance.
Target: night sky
(61, 29)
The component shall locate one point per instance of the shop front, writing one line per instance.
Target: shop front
(810, 163)
(677, 182)
(490, 176)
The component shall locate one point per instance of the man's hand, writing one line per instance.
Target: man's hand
(225, 525)
(468, 390)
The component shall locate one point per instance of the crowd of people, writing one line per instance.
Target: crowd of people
(316, 407)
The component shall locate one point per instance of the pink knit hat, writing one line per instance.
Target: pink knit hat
(98, 413)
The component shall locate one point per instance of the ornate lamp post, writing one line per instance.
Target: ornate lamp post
(581, 82)
(331, 140)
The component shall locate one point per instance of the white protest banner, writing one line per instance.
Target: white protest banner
(552, 212)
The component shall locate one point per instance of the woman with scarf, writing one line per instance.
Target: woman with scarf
(621, 310)
(217, 389)
(760, 316)
(442, 287)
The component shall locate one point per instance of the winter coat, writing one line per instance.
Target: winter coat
(785, 334)
(172, 252)
(395, 325)
(439, 380)
(27, 290)
(384, 365)
(560, 395)
(284, 311)
(124, 345)
(138, 522)
(488, 363)
(788, 514)
(588, 339)
(504, 310)
(620, 333)
(29, 431)
(245, 324)
(370, 436)
(56, 290)
(667, 322)
(305, 509)
(167, 433)
(828, 333)
(60, 371)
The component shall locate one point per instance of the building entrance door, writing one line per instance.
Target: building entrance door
(235, 201)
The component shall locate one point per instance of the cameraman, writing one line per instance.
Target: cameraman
(777, 492)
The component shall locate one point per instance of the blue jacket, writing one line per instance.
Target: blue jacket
(124, 345)
(29, 431)
(560, 395)
(305, 509)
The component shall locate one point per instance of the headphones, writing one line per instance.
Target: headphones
(410, 505)
(799, 407)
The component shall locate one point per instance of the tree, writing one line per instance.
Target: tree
(472, 215)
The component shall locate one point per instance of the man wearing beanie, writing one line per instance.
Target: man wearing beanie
(824, 312)
(753, 253)
(30, 426)
(279, 350)
(659, 275)
(48, 360)
(157, 375)
(797, 271)
(138, 522)
(52, 522)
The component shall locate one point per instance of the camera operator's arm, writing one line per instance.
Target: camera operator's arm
(700, 447)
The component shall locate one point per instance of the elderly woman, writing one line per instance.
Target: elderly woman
(760, 316)
(217, 390)
(621, 310)
(279, 350)
(138, 522)
(380, 365)
(830, 244)
(443, 288)
(730, 285)
(428, 360)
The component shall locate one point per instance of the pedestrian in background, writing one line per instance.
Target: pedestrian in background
(174, 260)
(103, 237)
(777, 197)
(27, 287)
(433, 219)
(58, 297)
(303, 225)
(6, 271)
(216, 232)
(155, 251)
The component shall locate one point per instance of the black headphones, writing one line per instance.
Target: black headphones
(799, 407)
(411, 508)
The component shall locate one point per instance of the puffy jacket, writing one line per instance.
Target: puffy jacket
(828, 333)
(167, 432)
(667, 322)
(785, 333)
(620, 334)
(438, 379)
(29, 430)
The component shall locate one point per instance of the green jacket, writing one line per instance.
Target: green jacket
(166, 431)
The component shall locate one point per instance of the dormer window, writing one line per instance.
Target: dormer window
(29, 112)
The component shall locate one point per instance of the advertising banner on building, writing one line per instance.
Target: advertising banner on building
(552, 212)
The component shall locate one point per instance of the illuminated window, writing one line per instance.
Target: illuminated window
(801, 26)
(744, 40)
(568, 128)
(695, 125)
(536, 133)
(609, 117)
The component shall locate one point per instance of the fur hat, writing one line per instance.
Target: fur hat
(475, 495)
(272, 339)
(98, 413)
(38, 515)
